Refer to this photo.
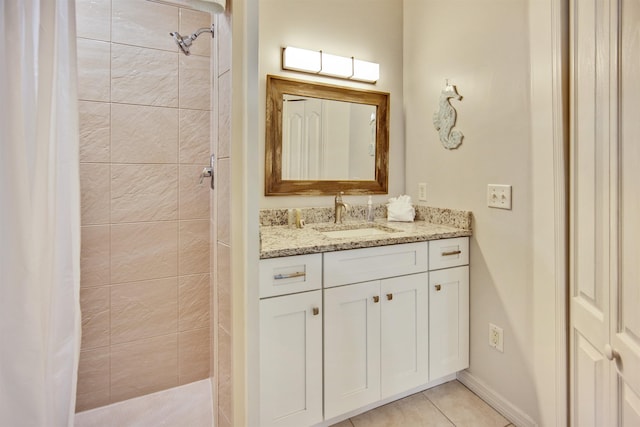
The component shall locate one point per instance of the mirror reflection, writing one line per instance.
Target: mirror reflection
(321, 139)
(324, 139)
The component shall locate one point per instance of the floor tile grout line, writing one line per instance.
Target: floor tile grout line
(438, 408)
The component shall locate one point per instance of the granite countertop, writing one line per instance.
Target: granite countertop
(282, 240)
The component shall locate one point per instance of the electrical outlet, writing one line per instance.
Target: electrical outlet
(422, 191)
(496, 337)
(499, 196)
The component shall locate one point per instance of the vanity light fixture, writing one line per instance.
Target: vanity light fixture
(319, 62)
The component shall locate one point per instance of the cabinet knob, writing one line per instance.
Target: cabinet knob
(610, 353)
(438, 287)
(376, 298)
(389, 297)
(315, 311)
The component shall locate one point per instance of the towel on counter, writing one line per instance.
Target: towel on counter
(400, 209)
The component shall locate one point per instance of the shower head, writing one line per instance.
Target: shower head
(184, 43)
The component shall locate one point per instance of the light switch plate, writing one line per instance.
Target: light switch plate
(499, 196)
(422, 191)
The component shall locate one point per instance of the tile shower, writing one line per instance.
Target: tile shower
(155, 248)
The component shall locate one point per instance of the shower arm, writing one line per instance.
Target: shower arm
(202, 30)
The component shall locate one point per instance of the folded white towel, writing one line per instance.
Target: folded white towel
(400, 209)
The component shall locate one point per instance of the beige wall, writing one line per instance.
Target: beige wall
(145, 135)
(485, 48)
(367, 29)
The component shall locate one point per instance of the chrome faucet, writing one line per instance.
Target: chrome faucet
(340, 208)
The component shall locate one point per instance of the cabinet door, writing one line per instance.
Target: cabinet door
(351, 347)
(448, 321)
(291, 360)
(404, 335)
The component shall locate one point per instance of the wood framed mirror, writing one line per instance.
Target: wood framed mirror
(322, 139)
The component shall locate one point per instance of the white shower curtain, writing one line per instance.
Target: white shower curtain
(39, 213)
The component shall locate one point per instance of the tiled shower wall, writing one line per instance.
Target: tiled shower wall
(145, 117)
(222, 362)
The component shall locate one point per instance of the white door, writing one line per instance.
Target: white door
(405, 333)
(291, 360)
(351, 347)
(605, 203)
(302, 138)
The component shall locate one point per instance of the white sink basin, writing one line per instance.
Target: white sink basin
(343, 231)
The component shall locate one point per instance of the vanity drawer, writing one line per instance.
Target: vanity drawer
(447, 253)
(361, 265)
(289, 275)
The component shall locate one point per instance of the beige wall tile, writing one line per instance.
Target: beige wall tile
(143, 251)
(94, 193)
(93, 379)
(95, 131)
(225, 369)
(224, 286)
(195, 136)
(94, 256)
(144, 366)
(224, 199)
(194, 309)
(144, 193)
(223, 421)
(144, 309)
(93, 19)
(144, 76)
(96, 305)
(193, 359)
(224, 115)
(145, 24)
(194, 197)
(195, 82)
(223, 36)
(190, 21)
(93, 70)
(193, 247)
(142, 134)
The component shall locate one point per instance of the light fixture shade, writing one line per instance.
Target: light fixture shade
(297, 59)
(336, 66)
(326, 64)
(366, 71)
(211, 6)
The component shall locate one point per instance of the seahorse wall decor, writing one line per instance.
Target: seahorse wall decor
(445, 118)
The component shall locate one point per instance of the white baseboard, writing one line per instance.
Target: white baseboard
(498, 402)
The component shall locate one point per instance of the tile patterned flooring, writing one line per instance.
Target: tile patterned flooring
(448, 405)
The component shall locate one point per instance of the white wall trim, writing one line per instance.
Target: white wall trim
(498, 402)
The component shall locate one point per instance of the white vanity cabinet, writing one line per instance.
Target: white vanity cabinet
(291, 341)
(448, 306)
(376, 331)
(346, 329)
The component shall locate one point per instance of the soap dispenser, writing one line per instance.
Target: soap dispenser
(370, 210)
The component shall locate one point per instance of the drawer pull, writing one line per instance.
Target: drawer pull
(438, 287)
(451, 253)
(315, 311)
(289, 275)
(376, 299)
(389, 297)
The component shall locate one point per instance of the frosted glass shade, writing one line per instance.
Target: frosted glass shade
(336, 66)
(366, 71)
(326, 64)
(297, 59)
